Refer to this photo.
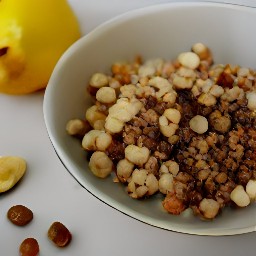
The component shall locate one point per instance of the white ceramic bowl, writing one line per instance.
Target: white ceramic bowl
(159, 31)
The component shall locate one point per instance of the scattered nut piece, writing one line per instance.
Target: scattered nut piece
(29, 247)
(239, 196)
(199, 124)
(59, 234)
(20, 215)
(12, 170)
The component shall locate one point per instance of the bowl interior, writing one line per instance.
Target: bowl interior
(159, 31)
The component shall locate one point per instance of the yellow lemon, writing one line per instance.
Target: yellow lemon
(33, 36)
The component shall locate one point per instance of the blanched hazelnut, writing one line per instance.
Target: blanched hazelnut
(106, 95)
(150, 67)
(207, 99)
(142, 183)
(189, 60)
(100, 164)
(173, 139)
(99, 125)
(141, 191)
(77, 127)
(161, 92)
(103, 141)
(98, 80)
(251, 97)
(146, 71)
(239, 196)
(170, 97)
(96, 140)
(169, 130)
(113, 125)
(251, 189)
(159, 82)
(209, 208)
(137, 155)
(181, 82)
(169, 166)
(198, 124)
(166, 183)
(202, 51)
(124, 169)
(243, 72)
(125, 109)
(233, 94)
(163, 121)
(216, 90)
(128, 90)
(93, 114)
(172, 115)
(152, 184)
(186, 72)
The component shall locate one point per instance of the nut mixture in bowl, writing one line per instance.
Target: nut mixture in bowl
(184, 128)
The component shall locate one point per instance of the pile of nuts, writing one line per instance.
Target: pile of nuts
(184, 128)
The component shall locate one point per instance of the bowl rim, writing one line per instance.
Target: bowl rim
(47, 102)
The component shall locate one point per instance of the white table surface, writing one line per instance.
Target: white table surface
(53, 195)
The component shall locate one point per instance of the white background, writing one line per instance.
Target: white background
(53, 195)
